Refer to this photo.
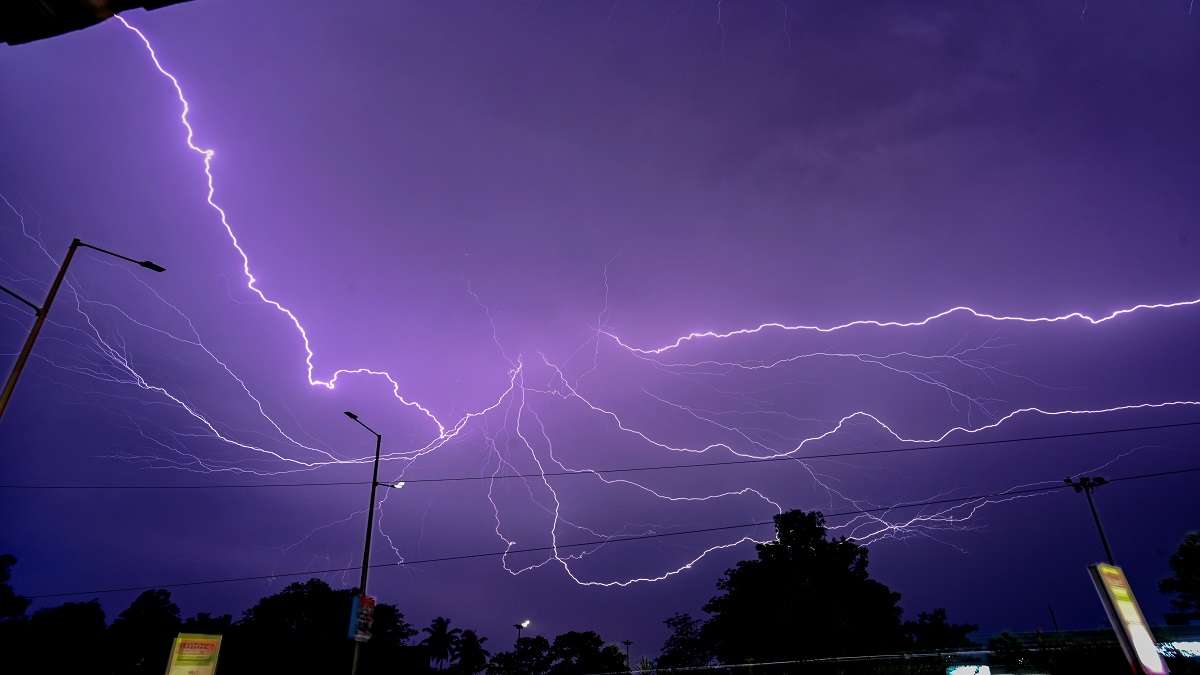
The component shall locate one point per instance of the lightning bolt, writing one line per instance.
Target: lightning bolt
(874, 323)
(206, 156)
(527, 439)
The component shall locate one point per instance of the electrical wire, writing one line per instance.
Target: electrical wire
(600, 542)
(578, 472)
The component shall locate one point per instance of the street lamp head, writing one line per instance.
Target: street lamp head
(524, 624)
(351, 415)
(398, 484)
(150, 265)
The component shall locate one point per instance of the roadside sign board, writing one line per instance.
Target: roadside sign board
(362, 616)
(1127, 620)
(194, 654)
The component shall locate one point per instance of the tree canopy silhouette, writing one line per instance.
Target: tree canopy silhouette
(140, 638)
(530, 655)
(440, 640)
(571, 653)
(12, 606)
(577, 653)
(685, 647)
(804, 596)
(469, 654)
(1184, 582)
(932, 631)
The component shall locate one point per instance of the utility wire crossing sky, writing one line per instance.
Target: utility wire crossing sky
(747, 387)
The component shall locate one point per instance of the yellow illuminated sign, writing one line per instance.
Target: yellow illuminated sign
(1127, 620)
(194, 654)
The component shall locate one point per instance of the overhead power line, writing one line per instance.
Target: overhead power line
(598, 542)
(589, 471)
(627, 469)
(169, 486)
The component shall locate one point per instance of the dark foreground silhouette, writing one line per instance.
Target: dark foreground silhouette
(805, 604)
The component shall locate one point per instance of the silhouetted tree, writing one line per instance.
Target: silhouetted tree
(931, 631)
(389, 627)
(531, 656)
(14, 626)
(469, 654)
(82, 623)
(440, 640)
(572, 653)
(303, 628)
(804, 596)
(1185, 581)
(207, 624)
(12, 606)
(685, 647)
(140, 638)
(388, 650)
(577, 653)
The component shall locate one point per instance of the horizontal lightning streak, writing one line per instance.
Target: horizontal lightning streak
(680, 341)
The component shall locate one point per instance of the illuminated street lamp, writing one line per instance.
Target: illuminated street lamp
(44, 310)
(520, 627)
(366, 560)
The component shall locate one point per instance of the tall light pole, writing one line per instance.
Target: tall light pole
(1086, 484)
(627, 644)
(366, 561)
(44, 310)
(520, 626)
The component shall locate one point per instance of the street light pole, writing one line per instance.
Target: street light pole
(1086, 485)
(366, 561)
(44, 310)
(627, 644)
(520, 627)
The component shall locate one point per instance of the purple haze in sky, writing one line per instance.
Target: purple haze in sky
(506, 206)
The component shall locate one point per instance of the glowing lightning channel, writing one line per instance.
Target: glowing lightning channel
(206, 154)
(866, 528)
(680, 341)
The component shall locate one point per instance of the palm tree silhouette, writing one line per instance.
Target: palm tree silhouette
(469, 655)
(441, 641)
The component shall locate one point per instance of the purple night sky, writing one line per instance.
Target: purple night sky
(399, 172)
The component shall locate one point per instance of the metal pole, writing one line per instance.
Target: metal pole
(366, 561)
(354, 662)
(1087, 490)
(23, 356)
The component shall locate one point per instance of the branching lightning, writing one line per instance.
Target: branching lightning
(513, 426)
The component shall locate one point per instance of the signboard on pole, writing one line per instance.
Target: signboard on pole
(1127, 620)
(194, 654)
(362, 616)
